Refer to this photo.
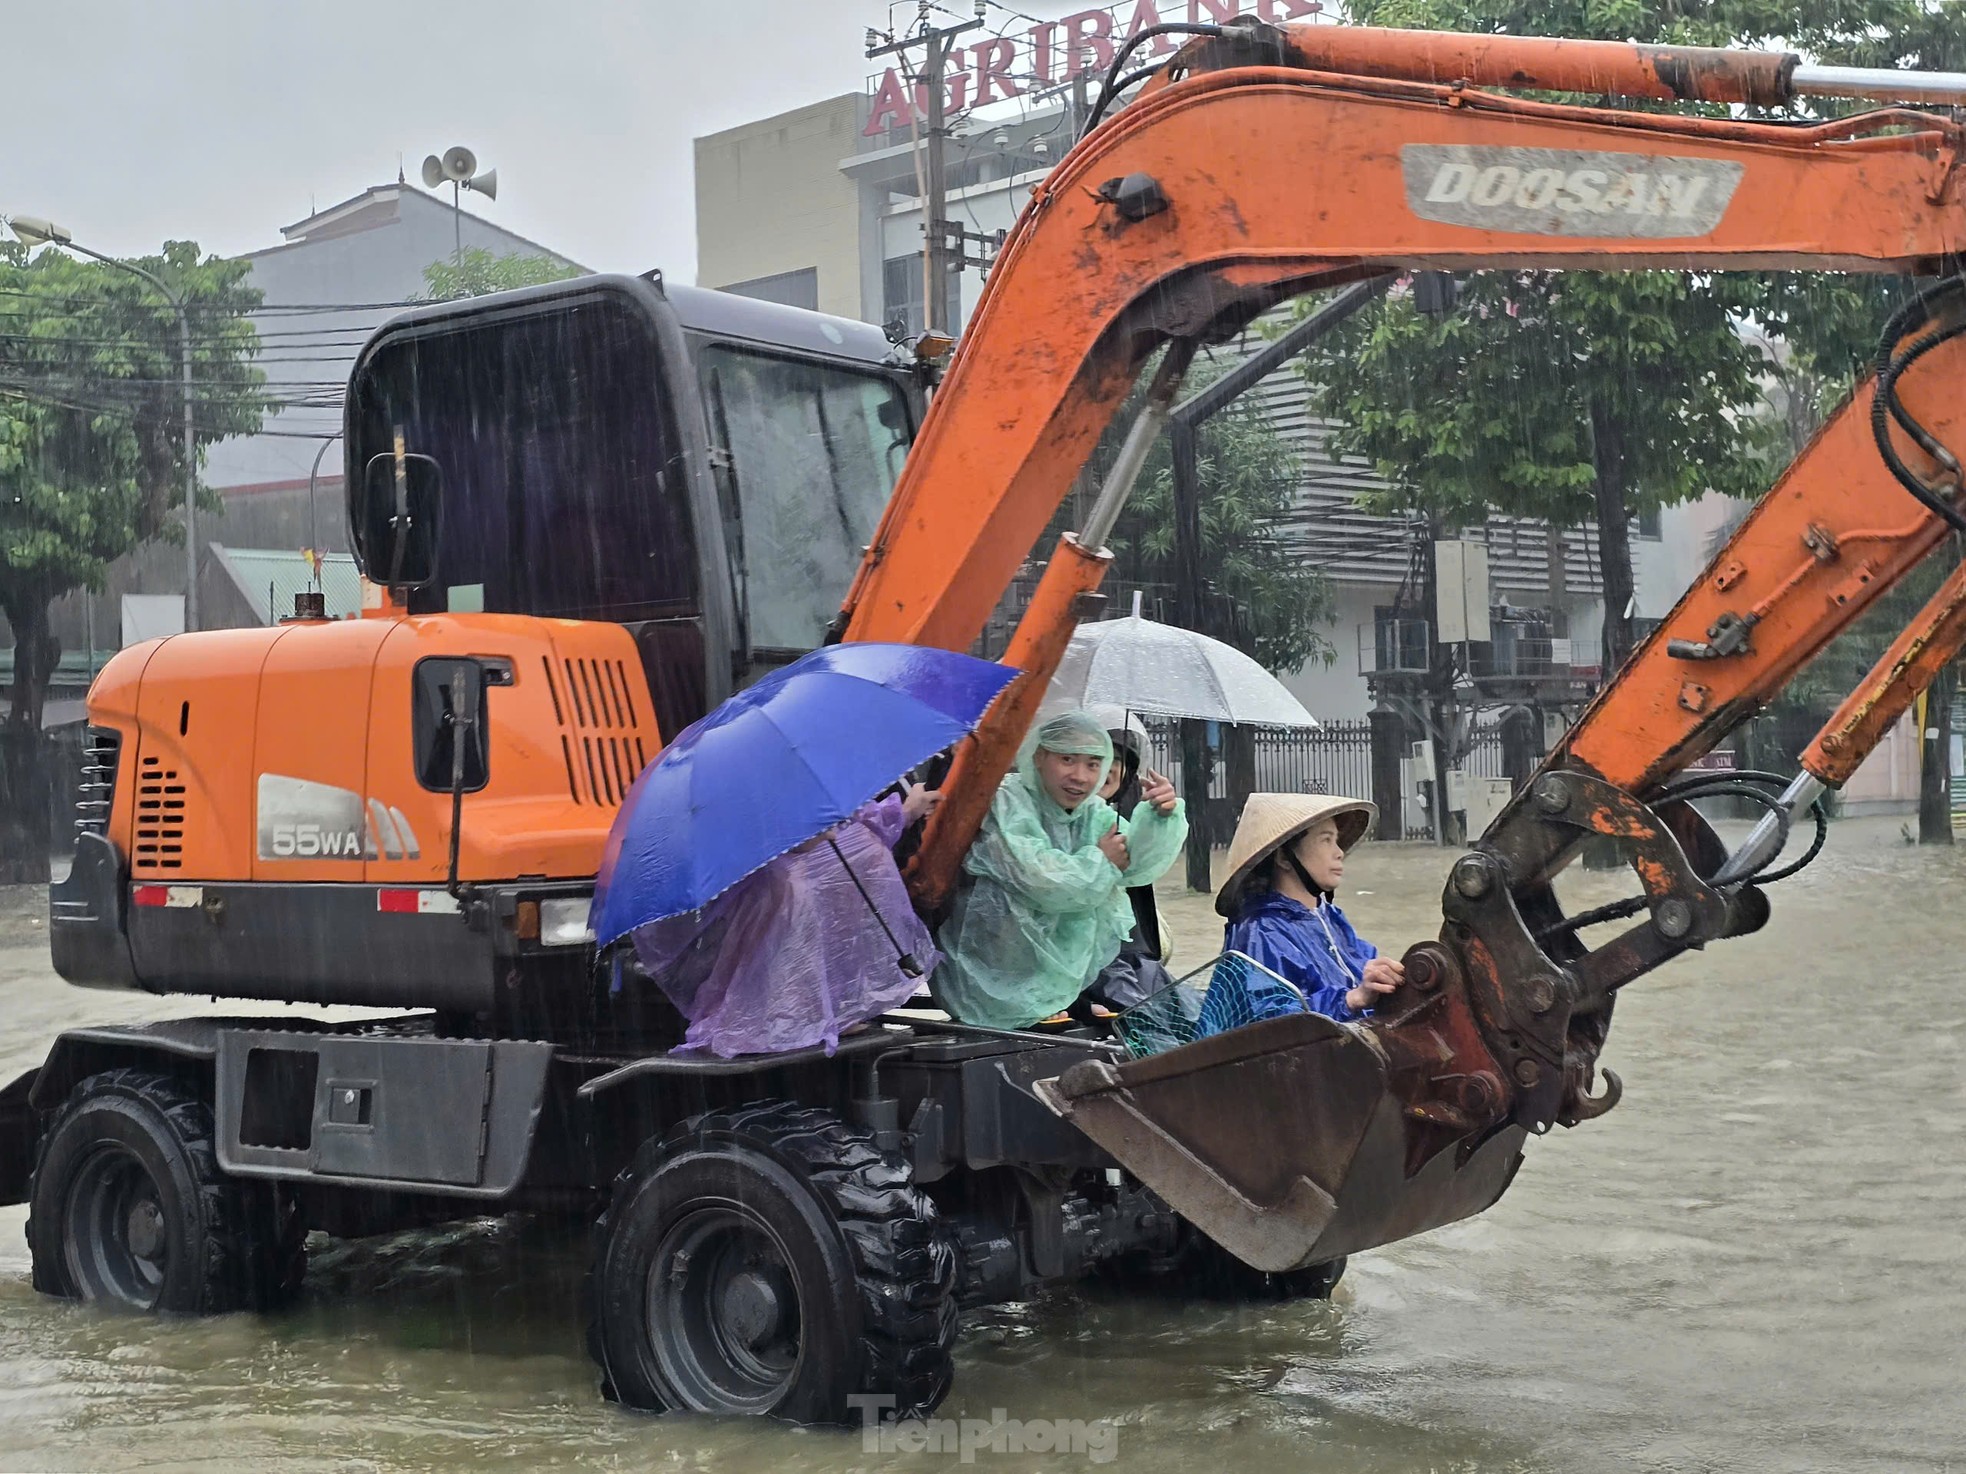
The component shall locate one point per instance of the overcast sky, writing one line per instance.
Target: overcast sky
(132, 123)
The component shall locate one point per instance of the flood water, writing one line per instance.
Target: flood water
(1754, 1263)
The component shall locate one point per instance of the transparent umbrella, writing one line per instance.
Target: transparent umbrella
(1160, 670)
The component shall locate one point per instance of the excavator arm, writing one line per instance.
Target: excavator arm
(1263, 163)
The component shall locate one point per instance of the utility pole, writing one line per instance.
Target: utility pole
(942, 251)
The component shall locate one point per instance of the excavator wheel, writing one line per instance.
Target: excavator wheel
(128, 1208)
(773, 1260)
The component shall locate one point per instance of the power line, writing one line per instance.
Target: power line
(262, 350)
(230, 309)
(286, 352)
(300, 389)
(115, 412)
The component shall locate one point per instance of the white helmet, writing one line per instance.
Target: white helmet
(1126, 728)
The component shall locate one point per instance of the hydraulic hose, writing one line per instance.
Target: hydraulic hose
(1885, 405)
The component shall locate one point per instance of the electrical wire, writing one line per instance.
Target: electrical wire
(117, 412)
(231, 309)
(1109, 89)
(1892, 363)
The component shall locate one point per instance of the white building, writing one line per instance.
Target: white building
(333, 278)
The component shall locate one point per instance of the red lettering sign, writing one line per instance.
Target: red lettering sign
(994, 60)
(1057, 51)
(891, 105)
(1041, 53)
(1088, 42)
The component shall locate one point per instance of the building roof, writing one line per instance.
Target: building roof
(268, 579)
(381, 205)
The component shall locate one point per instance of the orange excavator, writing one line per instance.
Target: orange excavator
(585, 512)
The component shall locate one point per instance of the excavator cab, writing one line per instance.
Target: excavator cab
(700, 468)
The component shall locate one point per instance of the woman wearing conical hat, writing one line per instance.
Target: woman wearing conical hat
(1284, 870)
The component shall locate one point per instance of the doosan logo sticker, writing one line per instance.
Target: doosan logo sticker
(1560, 191)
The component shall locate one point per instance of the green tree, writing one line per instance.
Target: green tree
(92, 450)
(91, 421)
(477, 273)
(1583, 397)
(1575, 397)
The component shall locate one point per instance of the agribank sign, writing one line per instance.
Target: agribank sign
(1054, 52)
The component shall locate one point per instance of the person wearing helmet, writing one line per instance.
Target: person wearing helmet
(1042, 905)
(1285, 866)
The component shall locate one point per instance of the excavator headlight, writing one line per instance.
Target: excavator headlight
(563, 921)
(934, 347)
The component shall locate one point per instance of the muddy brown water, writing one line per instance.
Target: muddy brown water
(1755, 1263)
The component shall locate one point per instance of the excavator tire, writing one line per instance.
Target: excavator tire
(771, 1259)
(128, 1207)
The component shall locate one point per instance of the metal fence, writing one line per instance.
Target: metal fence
(1333, 758)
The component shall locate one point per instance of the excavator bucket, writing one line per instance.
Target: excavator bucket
(1282, 1141)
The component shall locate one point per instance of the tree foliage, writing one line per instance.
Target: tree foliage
(1583, 397)
(1260, 595)
(478, 273)
(1499, 405)
(91, 421)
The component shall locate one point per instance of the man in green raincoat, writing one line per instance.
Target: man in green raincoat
(1043, 904)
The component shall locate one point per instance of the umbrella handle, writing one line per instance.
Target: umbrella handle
(903, 958)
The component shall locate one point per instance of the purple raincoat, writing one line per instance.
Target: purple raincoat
(790, 956)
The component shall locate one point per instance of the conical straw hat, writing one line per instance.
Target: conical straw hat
(1272, 819)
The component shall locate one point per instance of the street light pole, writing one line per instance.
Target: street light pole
(32, 232)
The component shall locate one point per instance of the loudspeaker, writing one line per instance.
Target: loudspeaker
(485, 184)
(459, 163)
(433, 172)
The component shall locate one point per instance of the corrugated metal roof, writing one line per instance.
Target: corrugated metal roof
(270, 577)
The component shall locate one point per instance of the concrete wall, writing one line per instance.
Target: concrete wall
(1337, 692)
(1665, 568)
(1887, 783)
(770, 198)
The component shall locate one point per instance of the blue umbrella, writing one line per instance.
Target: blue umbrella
(776, 764)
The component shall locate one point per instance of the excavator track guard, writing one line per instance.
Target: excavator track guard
(1283, 1141)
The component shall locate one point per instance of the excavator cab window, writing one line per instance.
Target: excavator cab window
(562, 488)
(807, 454)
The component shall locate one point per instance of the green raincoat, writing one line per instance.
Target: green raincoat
(1042, 909)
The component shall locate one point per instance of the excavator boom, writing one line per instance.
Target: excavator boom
(1382, 152)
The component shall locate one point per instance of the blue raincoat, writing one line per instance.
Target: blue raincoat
(1317, 950)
